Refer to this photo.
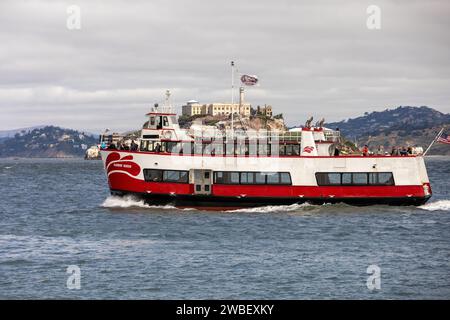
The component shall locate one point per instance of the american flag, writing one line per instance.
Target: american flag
(444, 140)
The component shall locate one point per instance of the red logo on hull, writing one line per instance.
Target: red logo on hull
(308, 149)
(112, 163)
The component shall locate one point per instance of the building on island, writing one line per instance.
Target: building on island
(193, 107)
(265, 111)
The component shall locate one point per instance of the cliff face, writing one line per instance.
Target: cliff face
(403, 126)
(47, 142)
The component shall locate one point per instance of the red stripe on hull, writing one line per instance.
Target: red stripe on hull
(122, 181)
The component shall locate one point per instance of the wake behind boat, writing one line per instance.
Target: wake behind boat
(228, 168)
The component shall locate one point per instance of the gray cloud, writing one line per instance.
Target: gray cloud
(313, 57)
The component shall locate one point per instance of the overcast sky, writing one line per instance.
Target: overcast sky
(312, 58)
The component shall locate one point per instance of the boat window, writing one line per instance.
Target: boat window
(173, 147)
(273, 178)
(158, 122)
(219, 177)
(289, 151)
(285, 178)
(207, 149)
(158, 147)
(295, 149)
(334, 178)
(282, 149)
(355, 178)
(152, 121)
(198, 146)
(152, 175)
(386, 178)
(234, 177)
(262, 148)
(346, 178)
(230, 148)
(260, 178)
(247, 177)
(360, 178)
(217, 148)
(175, 176)
(187, 148)
(252, 147)
(274, 149)
(144, 145)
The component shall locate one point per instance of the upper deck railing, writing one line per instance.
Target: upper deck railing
(288, 136)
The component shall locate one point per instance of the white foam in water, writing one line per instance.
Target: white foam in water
(438, 205)
(129, 202)
(292, 207)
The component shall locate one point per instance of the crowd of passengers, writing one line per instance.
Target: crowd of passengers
(131, 145)
(365, 151)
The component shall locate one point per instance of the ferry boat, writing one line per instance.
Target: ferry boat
(227, 169)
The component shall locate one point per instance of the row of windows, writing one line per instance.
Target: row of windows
(155, 175)
(355, 178)
(219, 148)
(160, 121)
(228, 177)
(220, 177)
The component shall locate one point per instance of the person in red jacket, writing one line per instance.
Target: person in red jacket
(365, 150)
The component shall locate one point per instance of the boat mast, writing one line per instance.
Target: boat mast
(232, 99)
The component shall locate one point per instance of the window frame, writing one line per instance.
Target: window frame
(321, 180)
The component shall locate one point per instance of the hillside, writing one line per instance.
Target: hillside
(47, 142)
(403, 126)
(253, 122)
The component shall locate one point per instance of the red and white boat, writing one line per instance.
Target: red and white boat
(234, 169)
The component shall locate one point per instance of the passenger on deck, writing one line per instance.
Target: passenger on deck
(336, 152)
(404, 152)
(380, 150)
(158, 148)
(365, 150)
(112, 146)
(410, 150)
(394, 151)
(134, 146)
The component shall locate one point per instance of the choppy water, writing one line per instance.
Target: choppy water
(55, 213)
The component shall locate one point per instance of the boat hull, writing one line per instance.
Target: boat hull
(229, 203)
(125, 172)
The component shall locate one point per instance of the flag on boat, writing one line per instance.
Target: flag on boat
(444, 140)
(249, 80)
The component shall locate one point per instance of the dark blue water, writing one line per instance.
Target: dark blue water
(56, 213)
